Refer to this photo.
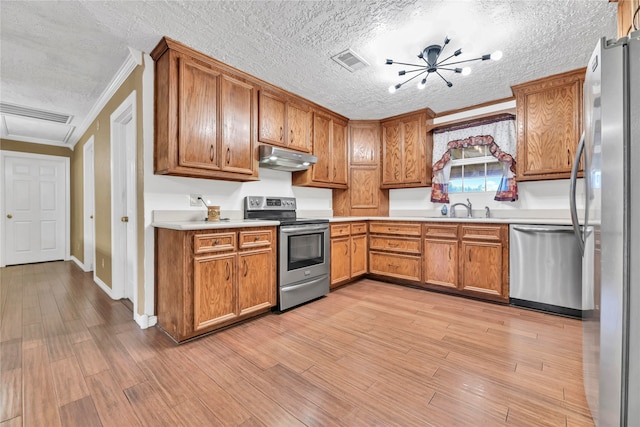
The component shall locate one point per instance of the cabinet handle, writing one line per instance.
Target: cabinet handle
(281, 133)
(393, 245)
(228, 271)
(469, 255)
(246, 267)
(228, 155)
(291, 138)
(449, 253)
(255, 239)
(355, 246)
(211, 153)
(335, 172)
(216, 242)
(346, 249)
(568, 157)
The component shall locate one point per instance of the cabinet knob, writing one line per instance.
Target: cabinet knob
(255, 239)
(281, 133)
(216, 242)
(211, 153)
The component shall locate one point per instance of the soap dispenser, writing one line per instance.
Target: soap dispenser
(443, 211)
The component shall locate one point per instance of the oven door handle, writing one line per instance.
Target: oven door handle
(302, 285)
(305, 229)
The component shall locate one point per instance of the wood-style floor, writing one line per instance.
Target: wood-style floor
(368, 354)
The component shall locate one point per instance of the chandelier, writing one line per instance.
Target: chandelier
(431, 55)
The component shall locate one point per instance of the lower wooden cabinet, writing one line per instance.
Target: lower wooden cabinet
(467, 259)
(208, 279)
(348, 252)
(394, 250)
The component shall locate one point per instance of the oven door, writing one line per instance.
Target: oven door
(304, 252)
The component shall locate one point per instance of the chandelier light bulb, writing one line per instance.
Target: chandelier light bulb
(392, 89)
(422, 84)
(466, 71)
(496, 56)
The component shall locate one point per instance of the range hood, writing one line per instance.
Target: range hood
(285, 160)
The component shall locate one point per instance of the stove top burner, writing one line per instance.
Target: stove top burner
(281, 209)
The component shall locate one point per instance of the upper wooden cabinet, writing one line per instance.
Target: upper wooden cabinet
(330, 146)
(406, 160)
(549, 124)
(284, 122)
(205, 116)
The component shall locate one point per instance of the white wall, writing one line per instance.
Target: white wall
(548, 198)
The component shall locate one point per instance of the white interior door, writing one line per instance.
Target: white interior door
(35, 207)
(124, 212)
(89, 206)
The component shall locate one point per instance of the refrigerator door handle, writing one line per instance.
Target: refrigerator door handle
(572, 194)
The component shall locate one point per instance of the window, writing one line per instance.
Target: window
(474, 169)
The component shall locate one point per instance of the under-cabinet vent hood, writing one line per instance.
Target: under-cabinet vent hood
(285, 160)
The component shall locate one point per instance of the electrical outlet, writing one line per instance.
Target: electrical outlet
(102, 262)
(193, 200)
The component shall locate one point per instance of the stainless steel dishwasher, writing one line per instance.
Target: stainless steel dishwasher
(545, 267)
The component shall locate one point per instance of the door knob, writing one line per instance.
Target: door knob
(9, 216)
(124, 219)
(90, 216)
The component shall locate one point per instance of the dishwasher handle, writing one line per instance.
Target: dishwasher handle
(543, 229)
(572, 194)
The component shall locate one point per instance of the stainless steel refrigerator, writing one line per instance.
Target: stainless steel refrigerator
(610, 234)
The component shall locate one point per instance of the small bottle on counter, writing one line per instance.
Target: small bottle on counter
(444, 210)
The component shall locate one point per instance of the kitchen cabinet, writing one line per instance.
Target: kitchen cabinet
(394, 250)
(364, 195)
(406, 159)
(330, 146)
(284, 122)
(205, 116)
(484, 252)
(208, 279)
(348, 252)
(468, 259)
(441, 255)
(549, 124)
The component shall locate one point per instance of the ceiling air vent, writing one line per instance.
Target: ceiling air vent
(32, 113)
(350, 60)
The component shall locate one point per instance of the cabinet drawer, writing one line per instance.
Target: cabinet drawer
(482, 232)
(253, 239)
(396, 244)
(442, 231)
(203, 243)
(399, 228)
(340, 230)
(395, 265)
(358, 228)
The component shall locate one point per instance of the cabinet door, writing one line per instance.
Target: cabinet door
(441, 262)
(256, 281)
(482, 266)
(365, 143)
(412, 151)
(198, 130)
(340, 260)
(338, 152)
(238, 102)
(214, 299)
(549, 123)
(271, 119)
(392, 153)
(358, 255)
(321, 147)
(299, 127)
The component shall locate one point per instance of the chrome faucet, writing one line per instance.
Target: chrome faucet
(487, 212)
(453, 209)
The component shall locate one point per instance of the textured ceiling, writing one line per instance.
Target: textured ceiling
(60, 56)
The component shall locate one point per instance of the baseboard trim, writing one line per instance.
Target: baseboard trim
(103, 286)
(80, 264)
(144, 320)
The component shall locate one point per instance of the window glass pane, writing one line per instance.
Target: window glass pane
(456, 153)
(494, 176)
(471, 152)
(455, 179)
(474, 178)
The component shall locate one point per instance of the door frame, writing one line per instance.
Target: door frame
(88, 171)
(67, 194)
(124, 119)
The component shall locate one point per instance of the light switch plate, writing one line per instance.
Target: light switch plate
(193, 200)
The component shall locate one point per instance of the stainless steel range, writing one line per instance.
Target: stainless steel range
(303, 249)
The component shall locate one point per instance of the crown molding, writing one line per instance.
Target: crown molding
(134, 59)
